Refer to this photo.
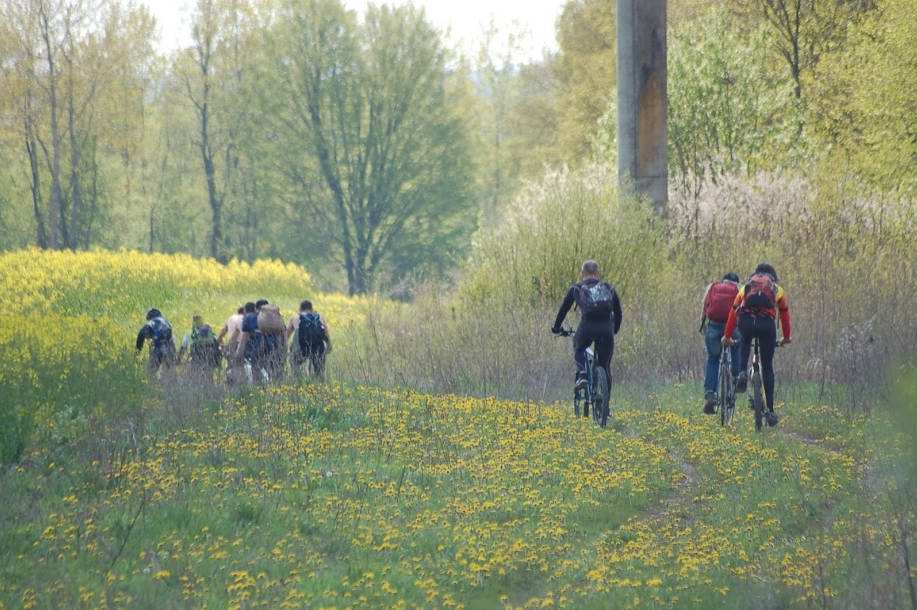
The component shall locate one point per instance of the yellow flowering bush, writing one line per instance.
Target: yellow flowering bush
(114, 283)
(52, 366)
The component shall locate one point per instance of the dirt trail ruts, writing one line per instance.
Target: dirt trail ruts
(678, 502)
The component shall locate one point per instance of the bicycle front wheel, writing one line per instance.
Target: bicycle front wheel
(600, 397)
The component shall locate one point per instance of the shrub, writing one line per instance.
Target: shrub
(61, 374)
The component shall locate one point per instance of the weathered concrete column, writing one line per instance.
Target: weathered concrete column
(642, 99)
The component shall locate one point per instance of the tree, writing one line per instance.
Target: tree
(803, 30)
(368, 101)
(587, 36)
(54, 27)
(864, 99)
(205, 31)
(220, 73)
(496, 74)
(727, 112)
(64, 59)
(18, 34)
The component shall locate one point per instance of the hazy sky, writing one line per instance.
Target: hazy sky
(464, 19)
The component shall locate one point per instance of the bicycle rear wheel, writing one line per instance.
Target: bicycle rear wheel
(758, 400)
(727, 398)
(600, 397)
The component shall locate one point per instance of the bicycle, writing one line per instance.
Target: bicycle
(726, 401)
(757, 397)
(596, 393)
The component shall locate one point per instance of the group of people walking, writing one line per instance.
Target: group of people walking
(255, 343)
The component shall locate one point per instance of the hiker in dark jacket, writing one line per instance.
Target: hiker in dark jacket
(158, 332)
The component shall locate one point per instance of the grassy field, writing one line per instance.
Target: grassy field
(330, 496)
(122, 494)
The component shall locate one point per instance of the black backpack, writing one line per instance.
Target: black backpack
(161, 331)
(311, 331)
(598, 297)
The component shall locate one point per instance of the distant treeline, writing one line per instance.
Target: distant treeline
(367, 149)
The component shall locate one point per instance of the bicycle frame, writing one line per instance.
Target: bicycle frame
(588, 397)
(590, 376)
(754, 367)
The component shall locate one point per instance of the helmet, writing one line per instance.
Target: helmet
(768, 269)
(732, 276)
(153, 313)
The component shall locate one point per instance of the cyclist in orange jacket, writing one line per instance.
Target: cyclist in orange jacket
(755, 313)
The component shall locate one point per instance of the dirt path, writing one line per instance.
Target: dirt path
(678, 503)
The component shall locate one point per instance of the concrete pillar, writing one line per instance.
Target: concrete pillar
(642, 100)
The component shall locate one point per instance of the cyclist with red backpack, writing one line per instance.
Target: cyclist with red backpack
(600, 319)
(718, 300)
(755, 312)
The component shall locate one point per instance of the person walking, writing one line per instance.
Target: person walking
(311, 343)
(158, 332)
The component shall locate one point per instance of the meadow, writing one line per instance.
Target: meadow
(119, 493)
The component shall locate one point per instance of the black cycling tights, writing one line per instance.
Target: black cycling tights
(765, 329)
(604, 338)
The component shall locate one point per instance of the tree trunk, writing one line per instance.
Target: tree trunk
(93, 197)
(37, 203)
(57, 220)
(76, 187)
(355, 284)
(213, 196)
(216, 205)
(152, 228)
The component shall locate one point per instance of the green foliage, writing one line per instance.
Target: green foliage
(727, 112)
(864, 100)
(585, 67)
(802, 32)
(552, 227)
(58, 380)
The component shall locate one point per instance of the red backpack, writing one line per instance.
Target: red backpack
(760, 294)
(719, 301)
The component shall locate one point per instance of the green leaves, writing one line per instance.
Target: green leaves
(726, 109)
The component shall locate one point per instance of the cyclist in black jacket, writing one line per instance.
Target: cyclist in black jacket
(600, 319)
